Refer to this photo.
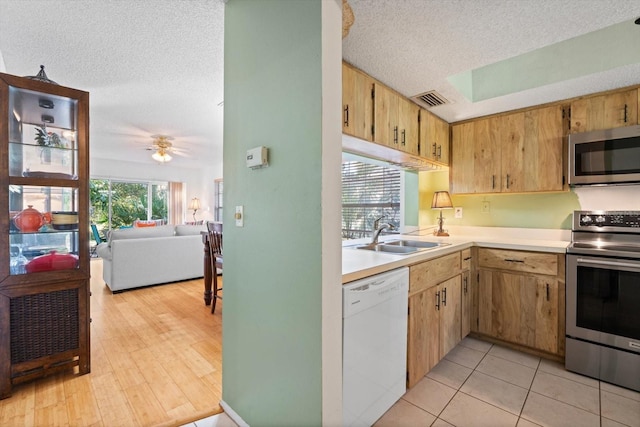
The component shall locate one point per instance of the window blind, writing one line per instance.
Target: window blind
(368, 193)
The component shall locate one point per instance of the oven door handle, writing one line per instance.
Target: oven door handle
(587, 262)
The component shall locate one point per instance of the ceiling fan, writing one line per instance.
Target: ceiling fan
(162, 146)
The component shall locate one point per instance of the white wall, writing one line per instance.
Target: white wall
(198, 182)
(610, 197)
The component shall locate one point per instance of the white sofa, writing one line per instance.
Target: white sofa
(135, 257)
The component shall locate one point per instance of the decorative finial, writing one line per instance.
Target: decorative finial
(42, 76)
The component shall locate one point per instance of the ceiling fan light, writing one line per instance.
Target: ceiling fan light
(161, 157)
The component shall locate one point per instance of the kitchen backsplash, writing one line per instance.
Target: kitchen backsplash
(533, 210)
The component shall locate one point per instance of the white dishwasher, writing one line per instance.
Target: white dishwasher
(374, 345)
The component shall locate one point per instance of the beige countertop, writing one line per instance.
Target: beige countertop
(358, 264)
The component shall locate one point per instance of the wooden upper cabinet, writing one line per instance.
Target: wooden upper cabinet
(434, 137)
(509, 136)
(461, 173)
(510, 153)
(486, 159)
(605, 111)
(357, 103)
(385, 113)
(408, 121)
(544, 132)
(395, 120)
(373, 112)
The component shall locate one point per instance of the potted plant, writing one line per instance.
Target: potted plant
(47, 140)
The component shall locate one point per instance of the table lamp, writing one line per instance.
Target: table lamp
(194, 204)
(441, 200)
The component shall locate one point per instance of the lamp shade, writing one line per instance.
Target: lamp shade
(194, 204)
(441, 200)
(161, 156)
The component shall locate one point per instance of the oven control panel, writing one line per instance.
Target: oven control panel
(607, 221)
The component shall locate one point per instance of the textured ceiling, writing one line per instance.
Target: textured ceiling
(151, 67)
(414, 45)
(156, 66)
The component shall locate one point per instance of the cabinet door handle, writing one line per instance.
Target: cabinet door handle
(395, 134)
(439, 152)
(507, 181)
(547, 292)
(346, 116)
(444, 297)
(434, 149)
(465, 284)
(625, 113)
(438, 301)
(404, 136)
(493, 182)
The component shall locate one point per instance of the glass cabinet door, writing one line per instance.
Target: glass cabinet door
(43, 232)
(43, 176)
(42, 135)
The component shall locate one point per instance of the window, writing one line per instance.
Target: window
(368, 193)
(118, 203)
(219, 189)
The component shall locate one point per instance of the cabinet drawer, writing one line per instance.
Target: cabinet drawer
(465, 259)
(432, 272)
(527, 262)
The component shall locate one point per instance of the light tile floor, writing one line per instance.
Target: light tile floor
(481, 384)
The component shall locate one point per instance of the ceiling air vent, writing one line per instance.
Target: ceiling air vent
(430, 99)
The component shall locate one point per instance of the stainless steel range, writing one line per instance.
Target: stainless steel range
(603, 297)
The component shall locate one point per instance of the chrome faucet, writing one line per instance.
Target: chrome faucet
(378, 229)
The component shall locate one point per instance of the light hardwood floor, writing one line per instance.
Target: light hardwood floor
(156, 360)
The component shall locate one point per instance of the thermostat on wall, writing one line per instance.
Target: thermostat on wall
(257, 158)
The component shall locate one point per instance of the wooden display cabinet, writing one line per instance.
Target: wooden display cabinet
(44, 236)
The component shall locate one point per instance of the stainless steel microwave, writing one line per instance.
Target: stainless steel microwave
(600, 157)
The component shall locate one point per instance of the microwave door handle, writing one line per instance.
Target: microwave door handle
(613, 264)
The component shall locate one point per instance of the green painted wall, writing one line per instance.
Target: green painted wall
(272, 275)
(616, 46)
(411, 202)
(539, 210)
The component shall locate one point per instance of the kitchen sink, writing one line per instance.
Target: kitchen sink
(401, 247)
(381, 247)
(414, 244)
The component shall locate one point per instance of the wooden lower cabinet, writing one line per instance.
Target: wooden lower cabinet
(423, 340)
(450, 316)
(465, 293)
(435, 314)
(433, 327)
(465, 305)
(517, 306)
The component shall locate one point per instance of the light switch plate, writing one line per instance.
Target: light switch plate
(458, 212)
(239, 216)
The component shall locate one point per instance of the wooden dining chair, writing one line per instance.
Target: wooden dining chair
(215, 251)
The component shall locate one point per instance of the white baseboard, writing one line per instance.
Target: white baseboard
(233, 414)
